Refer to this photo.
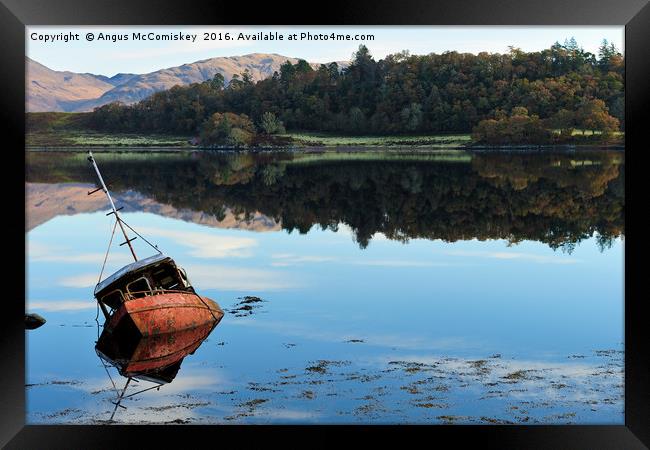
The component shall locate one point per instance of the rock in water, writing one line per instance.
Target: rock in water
(33, 321)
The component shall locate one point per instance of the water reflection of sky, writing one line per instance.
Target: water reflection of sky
(392, 312)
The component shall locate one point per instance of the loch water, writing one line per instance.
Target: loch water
(386, 287)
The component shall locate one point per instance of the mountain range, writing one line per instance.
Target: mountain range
(51, 90)
(45, 201)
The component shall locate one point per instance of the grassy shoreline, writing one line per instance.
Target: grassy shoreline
(300, 142)
(68, 131)
(334, 150)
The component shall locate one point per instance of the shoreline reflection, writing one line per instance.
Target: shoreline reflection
(558, 199)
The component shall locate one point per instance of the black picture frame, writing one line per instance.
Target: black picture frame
(16, 14)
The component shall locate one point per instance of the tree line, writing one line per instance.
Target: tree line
(558, 199)
(521, 93)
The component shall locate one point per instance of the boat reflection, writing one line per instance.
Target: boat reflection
(154, 358)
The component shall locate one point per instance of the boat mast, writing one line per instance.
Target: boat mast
(105, 189)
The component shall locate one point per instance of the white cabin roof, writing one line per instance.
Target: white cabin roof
(136, 265)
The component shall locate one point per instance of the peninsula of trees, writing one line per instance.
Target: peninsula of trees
(513, 98)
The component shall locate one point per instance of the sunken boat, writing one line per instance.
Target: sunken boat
(156, 358)
(151, 296)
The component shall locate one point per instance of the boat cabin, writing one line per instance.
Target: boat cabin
(149, 276)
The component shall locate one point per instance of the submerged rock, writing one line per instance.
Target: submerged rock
(246, 306)
(249, 299)
(33, 321)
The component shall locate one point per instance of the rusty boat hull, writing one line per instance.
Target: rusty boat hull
(148, 337)
(165, 313)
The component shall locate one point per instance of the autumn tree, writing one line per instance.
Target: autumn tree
(518, 128)
(565, 121)
(593, 115)
(228, 129)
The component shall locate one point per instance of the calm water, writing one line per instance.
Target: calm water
(396, 288)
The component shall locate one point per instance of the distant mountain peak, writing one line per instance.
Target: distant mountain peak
(50, 90)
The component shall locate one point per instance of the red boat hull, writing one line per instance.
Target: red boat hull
(167, 313)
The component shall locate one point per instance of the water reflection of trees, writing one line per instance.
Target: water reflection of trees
(558, 199)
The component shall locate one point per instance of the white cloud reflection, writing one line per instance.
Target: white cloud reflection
(541, 259)
(389, 340)
(289, 414)
(398, 263)
(288, 259)
(38, 252)
(228, 278)
(60, 305)
(206, 245)
(80, 281)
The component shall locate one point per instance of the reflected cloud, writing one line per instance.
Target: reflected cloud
(288, 259)
(38, 252)
(542, 259)
(202, 380)
(399, 263)
(171, 402)
(228, 278)
(206, 245)
(382, 340)
(547, 381)
(289, 414)
(80, 281)
(500, 367)
(61, 305)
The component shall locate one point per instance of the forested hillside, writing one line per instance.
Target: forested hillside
(560, 88)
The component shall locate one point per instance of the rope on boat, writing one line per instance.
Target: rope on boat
(109, 376)
(155, 247)
(209, 310)
(107, 251)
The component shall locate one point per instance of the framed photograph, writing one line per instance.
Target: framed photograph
(379, 219)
